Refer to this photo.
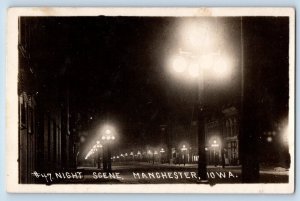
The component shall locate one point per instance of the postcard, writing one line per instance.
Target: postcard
(150, 100)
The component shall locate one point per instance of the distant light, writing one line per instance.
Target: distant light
(98, 142)
(113, 137)
(82, 139)
(108, 137)
(103, 137)
(91, 117)
(179, 64)
(215, 141)
(107, 131)
(269, 139)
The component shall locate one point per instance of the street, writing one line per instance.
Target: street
(146, 173)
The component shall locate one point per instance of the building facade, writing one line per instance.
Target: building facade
(222, 140)
(45, 141)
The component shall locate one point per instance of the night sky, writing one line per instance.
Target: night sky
(115, 68)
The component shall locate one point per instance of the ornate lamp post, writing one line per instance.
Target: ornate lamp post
(162, 151)
(108, 137)
(183, 150)
(98, 147)
(202, 62)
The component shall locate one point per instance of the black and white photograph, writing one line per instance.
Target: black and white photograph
(191, 100)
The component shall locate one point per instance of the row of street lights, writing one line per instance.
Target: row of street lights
(108, 136)
(149, 154)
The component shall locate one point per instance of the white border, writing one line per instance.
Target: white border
(12, 102)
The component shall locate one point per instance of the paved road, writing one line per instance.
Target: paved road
(147, 173)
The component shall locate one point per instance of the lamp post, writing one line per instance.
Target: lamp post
(98, 146)
(108, 137)
(203, 61)
(149, 152)
(125, 157)
(154, 153)
(132, 156)
(214, 145)
(162, 151)
(139, 155)
(183, 149)
(196, 66)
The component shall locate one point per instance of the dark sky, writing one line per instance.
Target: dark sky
(115, 67)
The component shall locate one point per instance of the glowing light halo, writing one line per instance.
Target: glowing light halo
(179, 64)
(193, 69)
(199, 35)
(222, 67)
(107, 131)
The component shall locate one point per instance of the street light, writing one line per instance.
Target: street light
(215, 145)
(199, 67)
(108, 137)
(162, 151)
(154, 153)
(184, 149)
(98, 147)
(150, 154)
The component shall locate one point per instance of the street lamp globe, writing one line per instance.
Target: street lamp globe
(179, 64)
(222, 67)
(107, 131)
(193, 69)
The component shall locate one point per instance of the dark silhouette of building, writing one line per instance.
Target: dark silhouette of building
(45, 140)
